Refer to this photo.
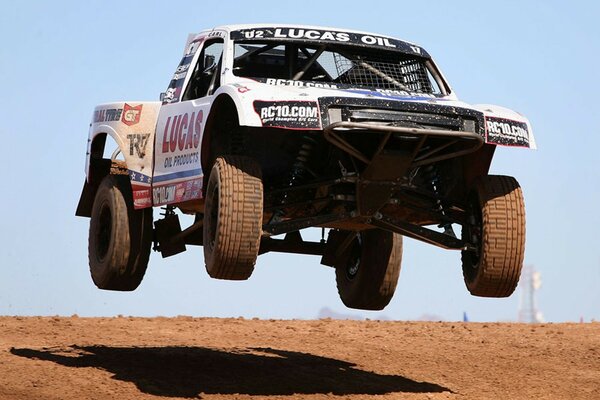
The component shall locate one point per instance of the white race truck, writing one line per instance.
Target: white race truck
(266, 130)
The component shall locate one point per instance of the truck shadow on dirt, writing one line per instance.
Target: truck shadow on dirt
(191, 371)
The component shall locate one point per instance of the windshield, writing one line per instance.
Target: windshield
(334, 65)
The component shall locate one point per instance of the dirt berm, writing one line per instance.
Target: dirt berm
(139, 358)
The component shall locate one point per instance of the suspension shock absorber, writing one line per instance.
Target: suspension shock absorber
(300, 167)
(434, 180)
(300, 170)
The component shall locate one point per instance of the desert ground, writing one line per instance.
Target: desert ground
(209, 358)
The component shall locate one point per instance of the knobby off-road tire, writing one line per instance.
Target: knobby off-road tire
(498, 224)
(367, 273)
(233, 218)
(120, 237)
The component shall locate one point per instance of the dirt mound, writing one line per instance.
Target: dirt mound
(136, 358)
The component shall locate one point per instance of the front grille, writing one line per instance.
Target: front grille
(401, 113)
(403, 118)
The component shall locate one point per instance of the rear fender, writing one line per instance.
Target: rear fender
(132, 127)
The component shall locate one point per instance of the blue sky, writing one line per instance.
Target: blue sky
(59, 59)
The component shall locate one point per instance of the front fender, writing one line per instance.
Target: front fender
(263, 105)
(239, 94)
(506, 127)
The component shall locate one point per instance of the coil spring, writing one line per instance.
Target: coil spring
(300, 167)
(299, 171)
(434, 180)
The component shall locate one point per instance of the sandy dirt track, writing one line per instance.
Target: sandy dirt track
(139, 358)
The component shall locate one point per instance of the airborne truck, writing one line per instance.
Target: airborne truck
(266, 130)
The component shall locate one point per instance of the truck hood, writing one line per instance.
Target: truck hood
(292, 104)
(284, 89)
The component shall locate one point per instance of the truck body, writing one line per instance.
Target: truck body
(355, 132)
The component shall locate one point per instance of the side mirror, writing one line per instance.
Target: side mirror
(162, 96)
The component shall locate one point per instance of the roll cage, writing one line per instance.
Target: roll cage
(345, 65)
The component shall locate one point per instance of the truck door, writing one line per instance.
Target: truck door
(177, 169)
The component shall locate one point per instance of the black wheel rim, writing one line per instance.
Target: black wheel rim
(473, 234)
(354, 259)
(103, 232)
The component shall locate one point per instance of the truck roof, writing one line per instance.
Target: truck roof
(237, 27)
(244, 27)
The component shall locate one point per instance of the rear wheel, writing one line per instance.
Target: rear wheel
(367, 272)
(233, 218)
(119, 238)
(497, 230)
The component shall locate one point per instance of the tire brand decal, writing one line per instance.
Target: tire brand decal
(131, 114)
(107, 115)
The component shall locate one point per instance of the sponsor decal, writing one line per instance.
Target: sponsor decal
(506, 132)
(163, 194)
(182, 134)
(178, 75)
(138, 177)
(182, 68)
(240, 88)
(131, 114)
(140, 185)
(216, 34)
(137, 144)
(393, 93)
(173, 92)
(193, 48)
(183, 159)
(169, 95)
(288, 114)
(107, 115)
(142, 198)
(177, 192)
(318, 35)
(290, 82)
(293, 33)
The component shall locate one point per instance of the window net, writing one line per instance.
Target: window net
(344, 65)
(382, 73)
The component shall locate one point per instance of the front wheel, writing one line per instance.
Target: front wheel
(233, 218)
(367, 272)
(119, 238)
(497, 231)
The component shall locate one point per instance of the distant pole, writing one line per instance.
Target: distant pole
(531, 281)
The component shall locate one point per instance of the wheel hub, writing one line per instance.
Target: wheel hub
(353, 268)
(353, 265)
